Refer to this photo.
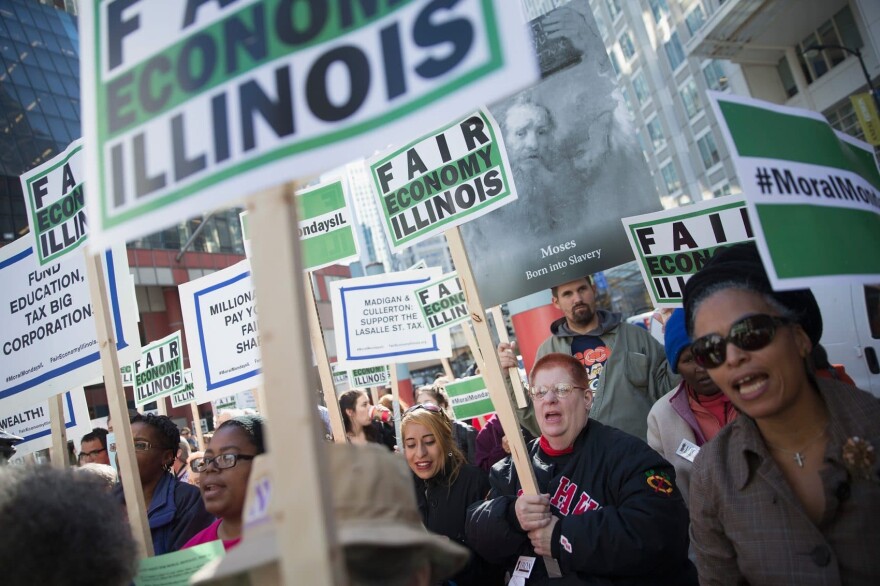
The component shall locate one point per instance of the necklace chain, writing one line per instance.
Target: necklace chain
(798, 455)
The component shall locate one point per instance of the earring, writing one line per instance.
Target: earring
(450, 454)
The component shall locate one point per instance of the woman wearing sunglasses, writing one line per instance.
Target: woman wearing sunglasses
(446, 485)
(789, 493)
(224, 471)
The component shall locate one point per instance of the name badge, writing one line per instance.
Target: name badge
(523, 567)
(687, 450)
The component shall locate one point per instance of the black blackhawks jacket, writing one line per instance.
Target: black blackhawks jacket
(622, 521)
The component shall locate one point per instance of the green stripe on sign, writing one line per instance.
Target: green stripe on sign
(758, 132)
(321, 201)
(465, 406)
(328, 247)
(471, 410)
(794, 234)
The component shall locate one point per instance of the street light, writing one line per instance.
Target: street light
(858, 54)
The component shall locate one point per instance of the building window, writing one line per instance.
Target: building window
(691, 99)
(695, 19)
(708, 151)
(786, 77)
(670, 177)
(655, 131)
(641, 88)
(613, 8)
(721, 191)
(844, 119)
(626, 46)
(716, 79)
(841, 30)
(674, 51)
(615, 65)
(659, 9)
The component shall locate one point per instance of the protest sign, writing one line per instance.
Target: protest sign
(175, 569)
(451, 176)
(127, 374)
(813, 193)
(159, 371)
(340, 378)
(241, 400)
(577, 167)
(672, 245)
(188, 394)
(220, 320)
(53, 196)
(246, 94)
(48, 338)
(469, 398)
(377, 321)
(34, 426)
(374, 376)
(442, 303)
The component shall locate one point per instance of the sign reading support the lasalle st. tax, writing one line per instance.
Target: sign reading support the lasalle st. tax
(53, 195)
(220, 320)
(159, 372)
(469, 398)
(188, 105)
(672, 245)
(377, 321)
(442, 303)
(48, 340)
(439, 181)
(813, 193)
(34, 425)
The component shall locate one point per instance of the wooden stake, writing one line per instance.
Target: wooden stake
(516, 382)
(304, 504)
(447, 368)
(337, 426)
(162, 406)
(492, 374)
(59, 432)
(197, 426)
(116, 404)
(395, 405)
(471, 341)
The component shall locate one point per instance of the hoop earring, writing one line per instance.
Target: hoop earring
(450, 454)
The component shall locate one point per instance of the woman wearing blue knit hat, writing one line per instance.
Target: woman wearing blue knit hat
(690, 414)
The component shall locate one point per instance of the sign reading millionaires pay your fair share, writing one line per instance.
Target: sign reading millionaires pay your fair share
(442, 180)
(244, 95)
(672, 245)
(159, 372)
(813, 193)
(53, 195)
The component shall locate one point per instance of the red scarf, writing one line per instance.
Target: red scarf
(545, 446)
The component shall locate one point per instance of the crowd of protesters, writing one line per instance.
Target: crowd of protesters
(756, 464)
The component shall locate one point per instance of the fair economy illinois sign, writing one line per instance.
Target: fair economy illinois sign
(813, 193)
(189, 105)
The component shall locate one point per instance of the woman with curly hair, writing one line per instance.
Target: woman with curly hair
(175, 511)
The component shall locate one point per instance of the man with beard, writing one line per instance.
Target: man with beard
(626, 366)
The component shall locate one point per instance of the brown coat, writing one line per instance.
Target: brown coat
(747, 527)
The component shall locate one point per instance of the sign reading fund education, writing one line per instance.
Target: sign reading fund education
(469, 398)
(672, 245)
(159, 372)
(442, 180)
(48, 338)
(377, 321)
(442, 303)
(220, 321)
(190, 104)
(53, 195)
(34, 425)
(813, 193)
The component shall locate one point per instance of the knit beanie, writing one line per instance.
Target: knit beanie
(675, 338)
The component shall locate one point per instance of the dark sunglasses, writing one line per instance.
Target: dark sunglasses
(426, 406)
(750, 333)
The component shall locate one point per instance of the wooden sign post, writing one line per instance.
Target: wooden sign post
(116, 403)
(59, 432)
(304, 505)
(447, 369)
(395, 405)
(197, 425)
(491, 371)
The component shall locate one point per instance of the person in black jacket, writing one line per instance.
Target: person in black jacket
(445, 484)
(609, 512)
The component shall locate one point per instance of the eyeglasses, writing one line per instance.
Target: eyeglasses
(426, 406)
(559, 389)
(140, 446)
(92, 454)
(751, 333)
(222, 462)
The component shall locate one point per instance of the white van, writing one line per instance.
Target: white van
(851, 330)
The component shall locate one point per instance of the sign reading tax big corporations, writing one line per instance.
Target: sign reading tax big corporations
(188, 105)
(47, 342)
(374, 376)
(672, 245)
(813, 193)
(453, 175)
(442, 303)
(34, 425)
(188, 394)
(377, 321)
(159, 372)
(220, 321)
(53, 195)
(469, 398)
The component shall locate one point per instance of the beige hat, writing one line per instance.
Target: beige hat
(375, 504)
